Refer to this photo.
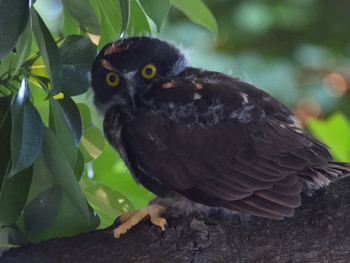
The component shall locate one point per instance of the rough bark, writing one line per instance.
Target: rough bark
(319, 232)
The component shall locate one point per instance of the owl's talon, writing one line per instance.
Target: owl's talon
(161, 222)
(131, 219)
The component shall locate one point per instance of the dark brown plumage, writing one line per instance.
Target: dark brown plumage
(204, 135)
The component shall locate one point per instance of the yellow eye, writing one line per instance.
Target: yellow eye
(112, 79)
(149, 71)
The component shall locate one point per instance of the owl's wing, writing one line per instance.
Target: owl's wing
(249, 158)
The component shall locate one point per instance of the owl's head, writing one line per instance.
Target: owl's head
(126, 69)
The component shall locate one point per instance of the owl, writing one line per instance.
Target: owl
(202, 140)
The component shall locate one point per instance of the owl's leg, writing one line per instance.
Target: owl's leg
(128, 220)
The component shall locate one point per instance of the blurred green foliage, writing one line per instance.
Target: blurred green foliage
(334, 132)
(58, 177)
(296, 50)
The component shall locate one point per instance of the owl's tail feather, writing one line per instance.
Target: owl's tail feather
(315, 178)
(343, 168)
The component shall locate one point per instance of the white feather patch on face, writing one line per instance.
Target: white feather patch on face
(130, 75)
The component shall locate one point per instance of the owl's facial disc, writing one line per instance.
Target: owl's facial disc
(139, 63)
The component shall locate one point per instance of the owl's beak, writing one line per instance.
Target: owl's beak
(130, 84)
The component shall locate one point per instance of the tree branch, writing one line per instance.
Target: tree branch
(318, 232)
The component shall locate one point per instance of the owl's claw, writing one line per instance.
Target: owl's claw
(131, 219)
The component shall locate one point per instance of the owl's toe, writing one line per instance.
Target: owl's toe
(128, 220)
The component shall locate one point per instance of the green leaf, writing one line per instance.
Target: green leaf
(138, 24)
(13, 18)
(7, 65)
(85, 114)
(157, 10)
(83, 13)
(110, 21)
(105, 201)
(198, 12)
(13, 196)
(40, 213)
(61, 170)
(59, 125)
(77, 54)
(40, 102)
(92, 143)
(27, 131)
(125, 12)
(72, 116)
(39, 72)
(49, 51)
(23, 46)
(334, 132)
(69, 24)
(9, 238)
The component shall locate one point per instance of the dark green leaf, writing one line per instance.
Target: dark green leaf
(107, 201)
(77, 50)
(85, 114)
(5, 135)
(61, 170)
(75, 80)
(14, 60)
(40, 213)
(83, 13)
(13, 18)
(79, 165)
(138, 24)
(92, 143)
(125, 12)
(59, 125)
(27, 130)
(198, 12)
(157, 10)
(49, 51)
(68, 222)
(77, 54)
(13, 196)
(72, 116)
